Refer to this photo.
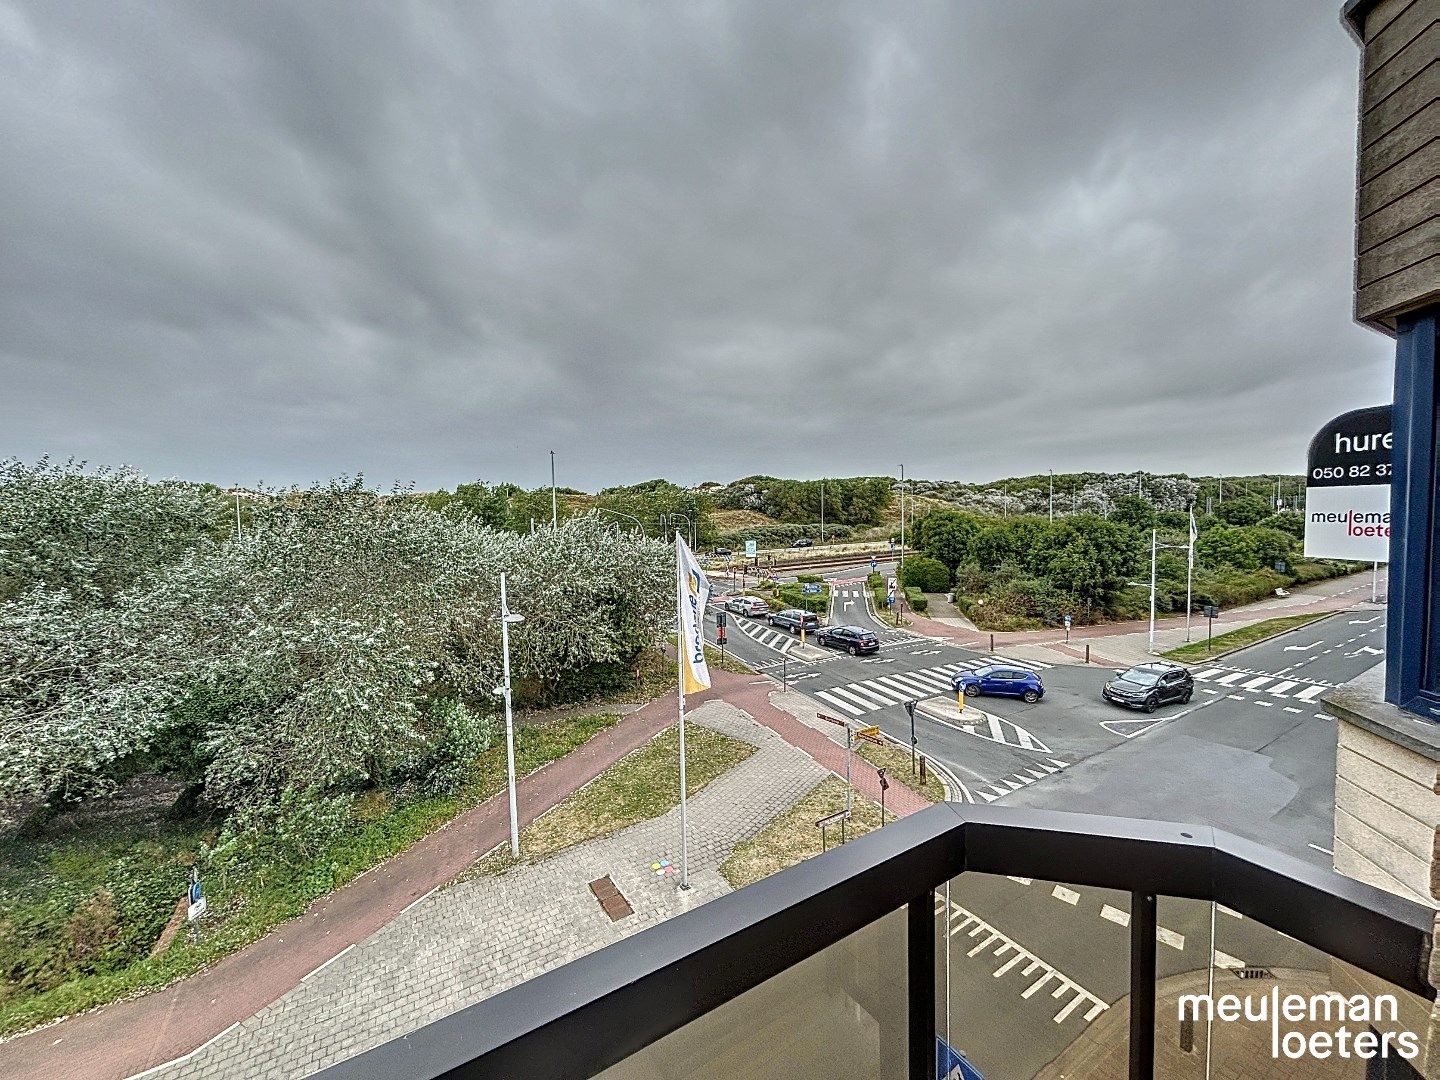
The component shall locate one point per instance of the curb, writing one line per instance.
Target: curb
(1258, 641)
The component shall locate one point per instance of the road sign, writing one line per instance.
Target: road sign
(1212, 611)
(749, 549)
(871, 734)
(829, 719)
(810, 589)
(1067, 622)
(1347, 487)
(874, 564)
(950, 1064)
(833, 819)
(197, 902)
(910, 708)
(884, 781)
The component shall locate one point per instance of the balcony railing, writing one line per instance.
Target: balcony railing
(862, 961)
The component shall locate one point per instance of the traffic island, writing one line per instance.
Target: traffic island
(948, 711)
(807, 651)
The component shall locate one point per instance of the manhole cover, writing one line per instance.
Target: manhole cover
(611, 901)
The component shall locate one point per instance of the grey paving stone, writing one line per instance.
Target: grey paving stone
(463, 944)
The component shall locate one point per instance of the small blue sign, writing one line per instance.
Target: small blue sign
(1067, 621)
(810, 590)
(195, 893)
(950, 1064)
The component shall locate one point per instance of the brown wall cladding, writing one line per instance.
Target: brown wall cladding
(1397, 236)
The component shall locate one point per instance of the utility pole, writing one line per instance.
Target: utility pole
(554, 503)
(1052, 494)
(902, 518)
(1154, 549)
(822, 511)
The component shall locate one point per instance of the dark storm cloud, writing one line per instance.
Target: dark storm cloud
(433, 241)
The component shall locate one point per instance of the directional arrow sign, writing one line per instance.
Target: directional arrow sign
(1304, 648)
(1366, 649)
(1364, 622)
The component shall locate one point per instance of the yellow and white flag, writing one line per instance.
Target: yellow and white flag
(691, 596)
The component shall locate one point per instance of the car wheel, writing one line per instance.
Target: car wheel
(972, 691)
(1152, 703)
(1185, 698)
(854, 651)
(1031, 697)
(794, 631)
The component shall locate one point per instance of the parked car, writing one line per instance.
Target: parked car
(999, 681)
(804, 541)
(855, 639)
(794, 620)
(752, 606)
(723, 551)
(1148, 686)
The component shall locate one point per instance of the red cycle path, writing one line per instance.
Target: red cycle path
(129, 1037)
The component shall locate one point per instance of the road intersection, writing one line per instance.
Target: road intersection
(1031, 964)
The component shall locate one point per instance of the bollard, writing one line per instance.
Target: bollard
(992, 642)
(922, 769)
(1087, 652)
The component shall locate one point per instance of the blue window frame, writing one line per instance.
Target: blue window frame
(1412, 673)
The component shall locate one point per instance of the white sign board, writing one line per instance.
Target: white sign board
(749, 549)
(1347, 488)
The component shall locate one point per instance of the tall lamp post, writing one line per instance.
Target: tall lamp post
(1155, 547)
(621, 513)
(507, 618)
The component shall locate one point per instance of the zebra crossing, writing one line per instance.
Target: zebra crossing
(1218, 680)
(895, 688)
(780, 641)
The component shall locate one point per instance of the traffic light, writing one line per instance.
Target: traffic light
(720, 619)
(910, 708)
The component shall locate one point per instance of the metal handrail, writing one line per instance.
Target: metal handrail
(589, 1014)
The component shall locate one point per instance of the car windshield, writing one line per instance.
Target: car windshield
(1142, 676)
(985, 672)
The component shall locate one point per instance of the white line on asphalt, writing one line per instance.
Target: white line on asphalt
(1232, 678)
(1201, 676)
(1287, 709)
(1222, 907)
(1017, 880)
(830, 699)
(1278, 690)
(1070, 896)
(1114, 914)
(1262, 704)
(1318, 716)
(1317, 847)
(1222, 960)
(864, 693)
(1253, 684)
(1310, 693)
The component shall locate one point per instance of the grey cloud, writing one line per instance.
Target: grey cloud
(433, 241)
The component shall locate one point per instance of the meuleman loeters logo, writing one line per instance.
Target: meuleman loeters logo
(1355, 1023)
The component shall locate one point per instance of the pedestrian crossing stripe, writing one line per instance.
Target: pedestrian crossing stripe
(1258, 683)
(858, 698)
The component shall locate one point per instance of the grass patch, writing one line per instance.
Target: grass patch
(792, 837)
(639, 787)
(728, 662)
(80, 904)
(1238, 639)
(896, 763)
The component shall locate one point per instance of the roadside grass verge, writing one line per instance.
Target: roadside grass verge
(639, 787)
(792, 837)
(1237, 639)
(73, 895)
(896, 763)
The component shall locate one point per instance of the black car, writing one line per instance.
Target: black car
(855, 639)
(723, 551)
(1148, 686)
(795, 620)
(804, 541)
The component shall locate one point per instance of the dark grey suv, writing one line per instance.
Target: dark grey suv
(1148, 686)
(795, 620)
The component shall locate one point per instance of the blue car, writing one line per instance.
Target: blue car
(999, 681)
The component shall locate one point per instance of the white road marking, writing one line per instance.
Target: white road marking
(1070, 896)
(1317, 847)
(1017, 880)
(1287, 709)
(1310, 693)
(1253, 684)
(1225, 910)
(1225, 960)
(1114, 914)
(1233, 677)
(1169, 937)
(1278, 689)
(1199, 676)
(830, 699)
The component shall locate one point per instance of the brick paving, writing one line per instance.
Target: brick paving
(467, 942)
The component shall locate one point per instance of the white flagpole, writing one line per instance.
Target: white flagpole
(1154, 546)
(680, 688)
(1189, 573)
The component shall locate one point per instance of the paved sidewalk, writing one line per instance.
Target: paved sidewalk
(127, 1037)
(469, 942)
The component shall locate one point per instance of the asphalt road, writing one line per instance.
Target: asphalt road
(1031, 964)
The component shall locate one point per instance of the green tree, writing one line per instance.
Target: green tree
(925, 574)
(1134, 511)
(947, 535)
(1271, 545)
(1227, 545)
(1287, 521)
(1246, 510)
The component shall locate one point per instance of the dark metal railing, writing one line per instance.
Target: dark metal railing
(583, 1017)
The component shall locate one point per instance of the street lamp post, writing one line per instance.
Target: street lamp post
(1052, 494)
(621, 513)
(507, 618)
(822, 511)
(554, 502)
(1155, 547)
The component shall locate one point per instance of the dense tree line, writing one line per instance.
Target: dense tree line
(1029, 570)
(857, 500)
(343, 639)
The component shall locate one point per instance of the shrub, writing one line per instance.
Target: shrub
(916, 600)
(925, 574)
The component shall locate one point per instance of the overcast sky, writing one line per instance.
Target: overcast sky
(433, 241)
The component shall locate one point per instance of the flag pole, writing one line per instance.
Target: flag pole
(680, 694)
(1189, 572)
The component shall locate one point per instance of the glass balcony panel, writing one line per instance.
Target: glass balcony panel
(1033, 976)
(842, 1012)
(1184, 943)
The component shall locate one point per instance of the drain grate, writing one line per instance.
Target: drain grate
(611, 901)
(1254, 973)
